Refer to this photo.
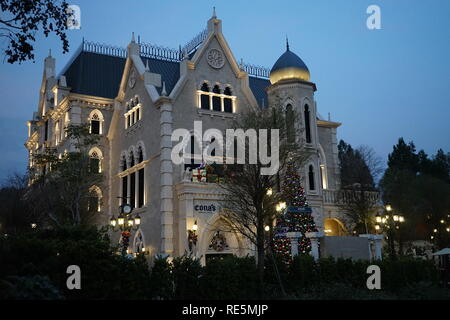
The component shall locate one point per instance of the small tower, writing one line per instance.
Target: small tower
(291, 88)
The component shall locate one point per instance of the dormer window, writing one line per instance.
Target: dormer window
(216, 100)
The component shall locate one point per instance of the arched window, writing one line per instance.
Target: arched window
(204, 98)
(227, 102)
(140, 155)
(94, 163)
(307, 124)
(94, 199)
(132, 163)
(96, 119)
(311, 178)
(139, 245)
(290, 129)
(123, 163)
(216, 100)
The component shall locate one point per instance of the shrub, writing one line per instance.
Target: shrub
(186, 272)
(230, 278)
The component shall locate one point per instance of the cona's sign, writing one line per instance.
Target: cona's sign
(209, 208)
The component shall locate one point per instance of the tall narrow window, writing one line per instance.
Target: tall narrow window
(290, 132)
(94, 162)
(124, 190)
(132, 159)
(94, 200)
(95, 121)
(95, 124)
(123, 163)
(46, 130)
(140, 155)
(311, 178)
(57, 136)
(216, 100)
(307, 124)
(191, 164)
(132, 189)
(323, 176)
(204, 98)
(227, 102)
(141, 187)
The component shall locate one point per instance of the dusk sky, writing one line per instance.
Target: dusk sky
(381, 84)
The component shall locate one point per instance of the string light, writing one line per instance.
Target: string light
(293, 195)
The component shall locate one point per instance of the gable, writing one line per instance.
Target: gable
(99, 75)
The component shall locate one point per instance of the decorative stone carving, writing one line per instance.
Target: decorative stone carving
(215, 58)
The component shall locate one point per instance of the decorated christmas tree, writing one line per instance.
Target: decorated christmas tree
(295, 218)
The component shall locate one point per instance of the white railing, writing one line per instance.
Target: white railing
(341, 197)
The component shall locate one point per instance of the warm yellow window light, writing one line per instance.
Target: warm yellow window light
(388, 207)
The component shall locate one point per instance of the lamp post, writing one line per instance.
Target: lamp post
(390, 222)
(192, 235)
(125, 223)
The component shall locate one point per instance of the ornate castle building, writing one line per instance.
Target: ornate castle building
(134, 98)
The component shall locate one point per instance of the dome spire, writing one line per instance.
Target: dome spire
(287, 43)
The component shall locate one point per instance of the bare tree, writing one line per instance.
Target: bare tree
(249, 207)
(359, 197)
(372, 160)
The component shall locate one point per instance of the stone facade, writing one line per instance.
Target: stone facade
(136, 123)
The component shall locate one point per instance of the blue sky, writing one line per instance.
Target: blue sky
(381, 84)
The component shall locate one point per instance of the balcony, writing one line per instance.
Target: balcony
(341, 197)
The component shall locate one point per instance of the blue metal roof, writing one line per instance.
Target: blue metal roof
(258, 86)
(289, 59)
(99, 75)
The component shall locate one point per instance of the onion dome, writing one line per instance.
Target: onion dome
(289, 67)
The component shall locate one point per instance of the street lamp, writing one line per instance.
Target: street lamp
(390, 222)
(378, 218)
(192, 235)
(125, 223)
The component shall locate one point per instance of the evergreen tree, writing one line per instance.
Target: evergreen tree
(294, 219)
